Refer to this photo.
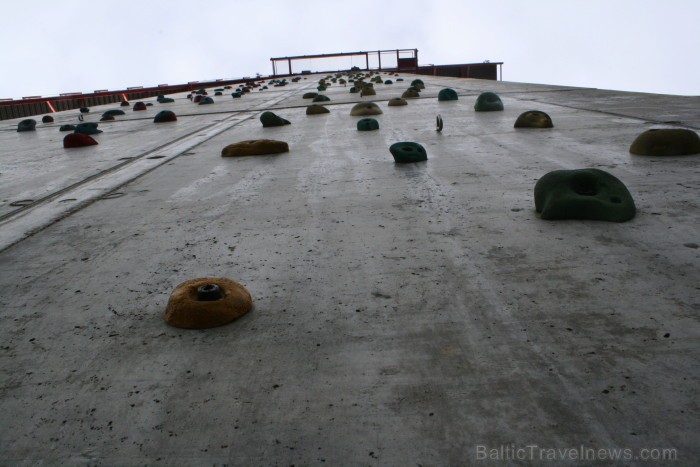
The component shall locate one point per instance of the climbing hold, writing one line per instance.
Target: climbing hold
(410, 94)
(399, 79)
(164, 100)
(354, 90)
(125, 104)
(87, 128)
(488, 102)
(206, 100)
(67, 128)
(321, 87)
(149, 104)
(113, 112)
(78, 140)
(47, 119)
(201, 92)
(198, 98)
(583, 194)
(218, 93)
(388, 82)
(316, 109)
(218, 89)
(84, 110)
(27, 125)
(236, 94)
(365, 109)
(269, 119)
(417, 83)
(407, 151)
(309, 95)
(207, 302)
(256, 147)
(106, 118)
(139, 106)
(666, 142)
(447, 94)
(165, 116)
(367, 124)
(533, 119)
(396, 101)
(368, 91)
(438, 122)
(321, 98)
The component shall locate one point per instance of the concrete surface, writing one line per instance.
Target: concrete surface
(403, 314)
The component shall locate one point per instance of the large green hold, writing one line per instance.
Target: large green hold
(113, 112)
(269, 119)
(488, 102)
(591, 194)
(28, 124)
(417, 83)
(533, 119)
(407, 151)
(354, 90)
(87, 128)
(165, 116)
(666, 142)
(316, 109)
(321, 98)
(365, 109)
(447, 94)
(397, 101)
(367, 124)
(410, 94)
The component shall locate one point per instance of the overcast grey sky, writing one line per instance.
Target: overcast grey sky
(52, 46)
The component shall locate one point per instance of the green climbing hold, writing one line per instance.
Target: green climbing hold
(583, 194)
(367, 124)
(417, 83)
(388, 82)
(67, 128)
(533, 119)
(488, 102)
(165, 100)
(354, 90)
(87, 128)
(315, 109)
(113, 112)
(165, 116)
(269, 119)
(321, 98)
(206, 101)
(321, 87)
(364, 109)
(407, 151)
(28, 124)
(410, 94)
(666, 142)
(47, 119)
(236, 95)
(447, 94)
(309, 95)
(397, 101)
(368, 91)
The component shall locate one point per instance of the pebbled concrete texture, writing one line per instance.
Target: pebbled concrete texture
(403, 314)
